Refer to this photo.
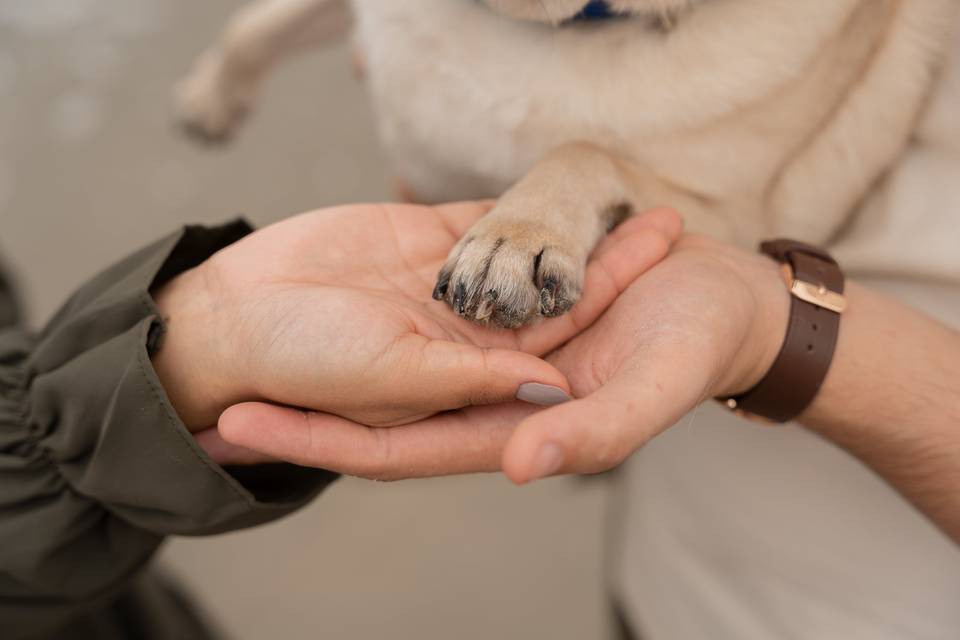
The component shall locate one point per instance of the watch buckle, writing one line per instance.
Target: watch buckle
(815, 294)
(734, 407)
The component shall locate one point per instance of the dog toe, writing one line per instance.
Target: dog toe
(508, 281)
(559, 280)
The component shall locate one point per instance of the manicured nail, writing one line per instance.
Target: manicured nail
(543, 394)
(548, 461)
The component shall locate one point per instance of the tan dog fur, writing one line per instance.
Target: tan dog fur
(752, 117)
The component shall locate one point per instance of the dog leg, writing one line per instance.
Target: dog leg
(527, 257)
(223, 85)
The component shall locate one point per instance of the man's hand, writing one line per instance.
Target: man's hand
(332, 311)
(708, 321)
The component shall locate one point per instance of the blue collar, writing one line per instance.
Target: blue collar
(596, 10)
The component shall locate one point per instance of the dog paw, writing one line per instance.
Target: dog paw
(508, 274)
(210, 107)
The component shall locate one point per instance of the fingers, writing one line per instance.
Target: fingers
(600, 431)
(458, 217)
(632, 249)
(583, 436)
(467, 441)
(420, 234)
(666, 219)
(427, 376)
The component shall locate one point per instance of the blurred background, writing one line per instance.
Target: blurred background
(92, 167)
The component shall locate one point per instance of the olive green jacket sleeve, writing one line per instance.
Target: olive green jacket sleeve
(95, 466)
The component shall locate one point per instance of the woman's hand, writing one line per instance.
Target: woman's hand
(332, 311)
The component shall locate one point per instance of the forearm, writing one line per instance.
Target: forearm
(892, 399)
(95, 466)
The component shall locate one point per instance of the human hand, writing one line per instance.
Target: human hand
(706, 321)
(332, 311)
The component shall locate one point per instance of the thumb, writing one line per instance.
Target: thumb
(600, 431)
(225, 453)
(438, 375)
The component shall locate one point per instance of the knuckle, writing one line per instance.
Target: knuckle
(611, 453)
(483, 391)
(659, 244)
(382, 453)
(376, 461)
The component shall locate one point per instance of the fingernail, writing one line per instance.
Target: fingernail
(543, 394)
(548, 461)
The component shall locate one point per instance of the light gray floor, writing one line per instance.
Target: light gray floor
(91, 168)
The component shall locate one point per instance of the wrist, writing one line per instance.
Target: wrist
(191, 362)
(765, 327)
(816, 285)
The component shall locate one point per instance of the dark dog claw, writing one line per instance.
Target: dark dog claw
(460, 298)
(487, 307)
(443, 283)
(548, 296)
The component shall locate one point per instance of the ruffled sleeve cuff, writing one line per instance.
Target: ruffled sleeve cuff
(95, 465)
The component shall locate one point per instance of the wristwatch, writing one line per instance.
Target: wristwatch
(816, 285)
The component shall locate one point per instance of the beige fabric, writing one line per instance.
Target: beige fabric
(730, 530)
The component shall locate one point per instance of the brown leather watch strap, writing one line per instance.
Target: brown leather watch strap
(816, 302)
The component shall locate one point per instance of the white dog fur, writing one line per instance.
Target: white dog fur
(751, 117)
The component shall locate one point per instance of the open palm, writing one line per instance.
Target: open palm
(332, 311)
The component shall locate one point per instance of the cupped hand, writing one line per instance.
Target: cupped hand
(332, 311)
(706, 321)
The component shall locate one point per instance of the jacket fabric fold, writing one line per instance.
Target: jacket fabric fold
(96, 468)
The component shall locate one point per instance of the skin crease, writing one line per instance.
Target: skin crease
(892, 403)
(332, 311)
